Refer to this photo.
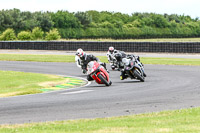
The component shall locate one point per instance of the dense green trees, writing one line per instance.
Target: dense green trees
(19, 21)
(94, 24)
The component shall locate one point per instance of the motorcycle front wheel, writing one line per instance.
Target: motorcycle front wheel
(103, 80)
(138, 74)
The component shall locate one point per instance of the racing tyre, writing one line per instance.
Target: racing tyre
(103, 80)
(138, 74)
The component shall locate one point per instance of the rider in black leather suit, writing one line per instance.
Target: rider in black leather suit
(85, 59)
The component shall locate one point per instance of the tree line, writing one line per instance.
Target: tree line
(93, 24)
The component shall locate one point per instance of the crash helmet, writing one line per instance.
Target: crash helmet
(83, 56)
(79, 52)
(111, 49)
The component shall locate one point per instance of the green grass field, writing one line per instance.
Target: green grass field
(37, 58)
(21, 83)
(141, 40)
(179, 121)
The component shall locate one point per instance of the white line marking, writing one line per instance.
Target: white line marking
(76, 92)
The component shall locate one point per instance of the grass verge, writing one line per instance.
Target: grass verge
(70, 58)
(171, 61)
(186, 120)
(140, 40)
(37, 58)
(21, 83)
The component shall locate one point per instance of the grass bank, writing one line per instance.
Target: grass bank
(140, 40)
(186, 120)
(70, 58)
(37, 58)
(21, 83)
(171, 61)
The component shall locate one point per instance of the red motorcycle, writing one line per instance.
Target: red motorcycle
(98, 73)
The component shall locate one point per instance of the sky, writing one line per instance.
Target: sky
(180, 7)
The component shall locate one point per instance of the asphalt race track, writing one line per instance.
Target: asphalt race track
(165, 88)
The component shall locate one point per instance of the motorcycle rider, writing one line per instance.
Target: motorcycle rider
(111, 58)
(117, 55)
(85, 59)
(131, 56)
(113, 54)
(110, 53)
(77, 58)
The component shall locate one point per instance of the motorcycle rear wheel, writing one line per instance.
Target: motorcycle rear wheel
(103, 80)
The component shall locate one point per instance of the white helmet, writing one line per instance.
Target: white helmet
(79, 52)
(111, 49)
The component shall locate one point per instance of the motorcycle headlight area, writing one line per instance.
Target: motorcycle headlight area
(125, 61)
(127, 68)
(90, 70)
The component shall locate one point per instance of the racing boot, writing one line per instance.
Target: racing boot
(89, 78)
(123, 76)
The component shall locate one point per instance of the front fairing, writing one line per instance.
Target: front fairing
(92, 67)
(101, 71)
(128, 64)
